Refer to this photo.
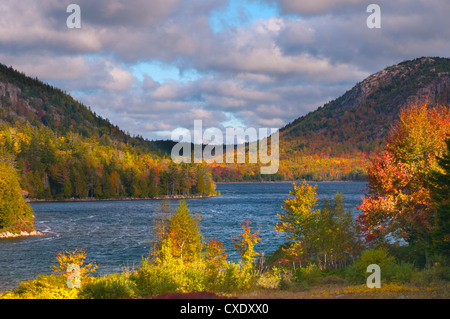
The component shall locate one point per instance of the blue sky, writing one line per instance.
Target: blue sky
(238, 13)
(163, 72)
(233, 14)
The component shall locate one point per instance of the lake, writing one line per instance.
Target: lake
(116, 234)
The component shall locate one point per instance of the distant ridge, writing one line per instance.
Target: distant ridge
(62, 150)
(359, 120)
(330, 143)
(23, 98)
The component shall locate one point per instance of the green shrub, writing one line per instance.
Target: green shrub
(437, 274)
(15, 214)
(400, 273)
(270, 279)
(114, 286)
(191, 277)
(309, 275)
(153, 280)
(391, 271)
(288, 280)
(230, 278)
(42, 287)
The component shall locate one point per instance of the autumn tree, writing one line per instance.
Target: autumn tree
(76, 257)
(181, 236)
(216, 260)
(326, 236)
(15, 214)
(245, 243)
(298, 213)
(160, 227)
(215, 253)
(398, 203)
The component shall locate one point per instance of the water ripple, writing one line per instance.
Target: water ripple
(118, 233)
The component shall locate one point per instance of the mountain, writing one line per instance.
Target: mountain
(61, 149)
(29, 99)
(359, 120)
(335, 141)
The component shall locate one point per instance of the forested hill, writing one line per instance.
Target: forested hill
(359, 120)
(335, 141)
(61, 149)
(31, 100)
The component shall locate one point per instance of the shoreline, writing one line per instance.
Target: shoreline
(7, 234)
(92, 199)
(293, 181)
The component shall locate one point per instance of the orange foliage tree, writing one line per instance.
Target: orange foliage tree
(398, 203)
(76, 257)
(245, 245)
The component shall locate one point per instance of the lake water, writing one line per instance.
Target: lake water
(116, 234)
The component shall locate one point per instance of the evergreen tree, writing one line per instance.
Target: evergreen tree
(440, 182)
(15, 214)
(184, 234)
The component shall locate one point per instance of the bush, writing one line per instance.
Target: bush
(270, 279)
(76, 257)
(15, 214)
(42, 287)
(391, 271)
(331, 280)
(152, 280)
(230, 280)
(437, 274)
(399, 273)
(309, 275)
(114, 286)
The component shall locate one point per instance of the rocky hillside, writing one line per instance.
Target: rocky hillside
(23, 98)
(359, 120)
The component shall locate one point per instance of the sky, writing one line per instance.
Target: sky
(153, 66)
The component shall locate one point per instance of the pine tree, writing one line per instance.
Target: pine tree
(440, 182)
(184, 233)
(15, 214)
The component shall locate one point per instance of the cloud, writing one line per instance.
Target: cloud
(317, 7)
(257, 71)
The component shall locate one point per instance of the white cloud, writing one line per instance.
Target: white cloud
(266, 72)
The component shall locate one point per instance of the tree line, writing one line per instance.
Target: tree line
(53, 166)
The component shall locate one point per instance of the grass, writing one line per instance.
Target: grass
(174, 278)
(270, 286)
(345, 291)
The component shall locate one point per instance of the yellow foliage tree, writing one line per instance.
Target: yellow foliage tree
(76, 257)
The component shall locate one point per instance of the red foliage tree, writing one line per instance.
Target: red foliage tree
(398, 203)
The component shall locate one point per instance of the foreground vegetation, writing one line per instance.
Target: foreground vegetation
(181, 265)
(403, 229)
(15, 214)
